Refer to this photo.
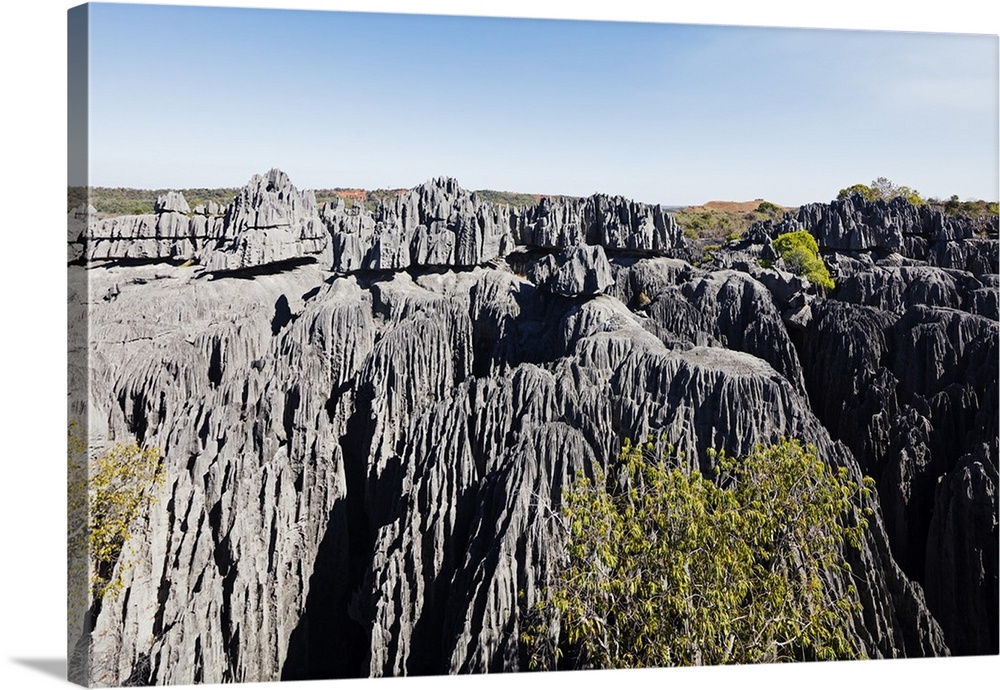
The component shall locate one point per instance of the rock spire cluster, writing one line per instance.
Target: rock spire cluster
(367, 414)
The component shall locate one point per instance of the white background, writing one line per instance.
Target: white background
(32, 339)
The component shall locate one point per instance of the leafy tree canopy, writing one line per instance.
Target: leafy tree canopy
(882, 188)
(665, 567)
(106, 495)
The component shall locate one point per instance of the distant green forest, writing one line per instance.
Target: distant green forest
(716, 221)
(509, 198)
(124, 201)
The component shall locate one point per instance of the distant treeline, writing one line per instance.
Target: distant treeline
(701, 222)
(723, 224)
(973, 208)
(124, 201)
(509, 198)
(982, 213)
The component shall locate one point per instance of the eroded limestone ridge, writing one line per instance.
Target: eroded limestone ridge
(269, 222)
(368, 416)
(435, 225)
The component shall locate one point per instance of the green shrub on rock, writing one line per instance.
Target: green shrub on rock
(667, 567)
(800, 253)
(119, 485)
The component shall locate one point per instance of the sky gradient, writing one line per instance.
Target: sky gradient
(676, 114)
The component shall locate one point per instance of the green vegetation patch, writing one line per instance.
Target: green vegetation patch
(106, 496)
(884, 189)
(667, 567)
(983, 213)
(124, 201)
(716, 224)
(800, 253)
(513, 199)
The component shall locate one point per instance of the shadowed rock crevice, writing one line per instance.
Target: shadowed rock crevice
(326, 642)
(282, 315)
(270, 268)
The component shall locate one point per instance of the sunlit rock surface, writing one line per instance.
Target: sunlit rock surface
(368, 416)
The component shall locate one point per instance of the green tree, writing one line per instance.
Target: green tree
(800, 252)
(911, 195)
(864, 190)
(118, 484)
(665, 567)
(770, 209)
(882, 188)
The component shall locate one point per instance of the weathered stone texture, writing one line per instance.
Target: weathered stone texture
(369, 417)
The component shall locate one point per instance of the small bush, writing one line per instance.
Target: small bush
(708, 253)
(800, 253)
(768, 208)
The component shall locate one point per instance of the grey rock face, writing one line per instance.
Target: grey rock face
(78, 221)
(977, 256)
(152, 237)
(853, 224)
(857, 224)
(363, 452)
(172, 202)
(857, 408)
(916, 232)
(269, 222)
(722, 309)
(984, 301)
(437, 224)
(962, 554)
(922, 398)
(574, 271)
(895, 289)
(614, 223)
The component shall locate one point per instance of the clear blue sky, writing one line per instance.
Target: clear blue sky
(205, 97)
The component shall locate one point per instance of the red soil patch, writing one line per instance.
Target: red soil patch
(733, 206)
(355, 194)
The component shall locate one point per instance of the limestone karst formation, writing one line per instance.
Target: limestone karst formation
(366, 413)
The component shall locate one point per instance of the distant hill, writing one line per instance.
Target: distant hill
(733, 206)
(717, 221)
